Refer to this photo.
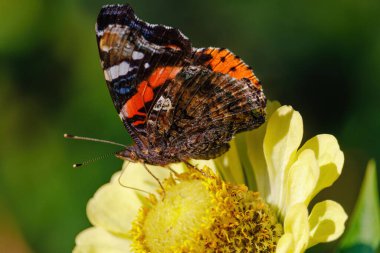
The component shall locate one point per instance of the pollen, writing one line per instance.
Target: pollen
(202, 213)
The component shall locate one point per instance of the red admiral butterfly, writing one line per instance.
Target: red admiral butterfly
(177, 102)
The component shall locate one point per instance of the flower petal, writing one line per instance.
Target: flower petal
(326, 222)
(255, 151)
(98, 240)
(330, 159)
(229, 166)
(301, 179)
(283, 137)
(285, 244)
(136, 176)
(113, 207)
(296, 224)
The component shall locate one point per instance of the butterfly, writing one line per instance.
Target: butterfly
(177, 102)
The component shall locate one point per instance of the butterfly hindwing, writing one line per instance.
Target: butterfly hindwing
(203, 110)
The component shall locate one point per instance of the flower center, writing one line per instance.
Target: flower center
(182, 212)
(202, 213)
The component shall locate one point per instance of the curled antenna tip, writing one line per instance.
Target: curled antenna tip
(76, 165)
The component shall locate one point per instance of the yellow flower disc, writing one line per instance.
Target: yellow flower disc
(202, 213)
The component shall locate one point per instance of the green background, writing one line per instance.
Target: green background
(321, 57)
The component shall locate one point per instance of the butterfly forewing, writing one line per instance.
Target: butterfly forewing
(137, 58)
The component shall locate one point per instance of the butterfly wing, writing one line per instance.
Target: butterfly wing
(224, 61)
(137, 58)
(206, 104)
(238, 92)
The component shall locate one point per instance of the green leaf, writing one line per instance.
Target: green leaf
(364, 229)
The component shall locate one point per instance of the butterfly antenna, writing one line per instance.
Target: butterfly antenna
(129, 187)
(76, 165)
(70, 136)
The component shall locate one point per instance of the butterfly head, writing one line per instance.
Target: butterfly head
(129, 154)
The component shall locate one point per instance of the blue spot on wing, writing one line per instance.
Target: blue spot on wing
(124, 90)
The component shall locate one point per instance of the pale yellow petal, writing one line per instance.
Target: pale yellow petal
(301, 179)
(113, 207)
(98, 240)
(229, 166)
(285, 244)
(330, 159)
(254, 141)
(178, 167)
(296, 223)
(326, 221)
(136, 176)
(282, 138)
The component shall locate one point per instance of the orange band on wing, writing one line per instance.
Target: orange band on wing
(172, 46)
(145, 92)
(134, 104)
(138, 122)
(225, 62)
(160, 75)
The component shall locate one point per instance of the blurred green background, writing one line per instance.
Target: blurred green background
(321, 57)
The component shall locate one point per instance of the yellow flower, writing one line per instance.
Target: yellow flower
(202, 213)
(198, 213)
(288, 177)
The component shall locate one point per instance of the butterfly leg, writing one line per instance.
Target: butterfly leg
(189, 165)
(156, 178)
(193, 167)
(126, 186)
(172, 170)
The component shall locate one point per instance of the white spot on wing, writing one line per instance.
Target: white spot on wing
(114, 71)
(117, 70)
(124, 68)
(136, 55)
(146, 65)
(163, 104)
